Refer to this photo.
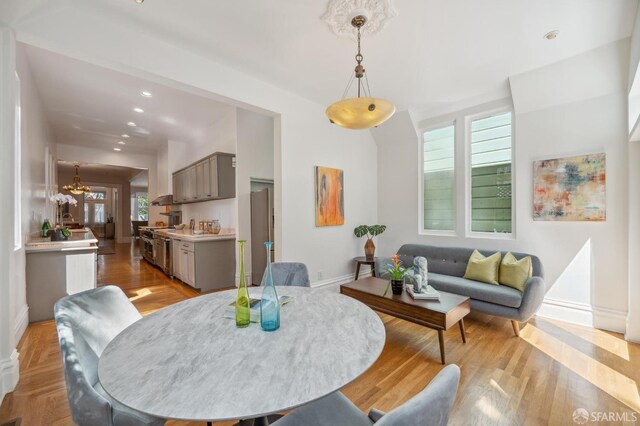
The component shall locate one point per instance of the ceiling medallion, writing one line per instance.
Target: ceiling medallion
(340, 13)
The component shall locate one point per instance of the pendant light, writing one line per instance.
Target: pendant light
(361, 112)
(77, 187)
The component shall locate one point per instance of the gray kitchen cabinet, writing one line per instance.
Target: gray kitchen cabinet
(205, 265)
(212, 178)
(203, 181)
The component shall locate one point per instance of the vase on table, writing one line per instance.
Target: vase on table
(397, 286)
(369, 249)
(243, 312)
(269, 303)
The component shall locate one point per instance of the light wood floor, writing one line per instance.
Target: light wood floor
(540, 378)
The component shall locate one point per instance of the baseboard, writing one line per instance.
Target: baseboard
(583, 314)
(610, 319)
(22, 321)
(575, 313)
(9, 374)
(338, 280)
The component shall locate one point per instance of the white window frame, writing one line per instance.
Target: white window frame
(468, 119)
(439, 125)
(17, 146)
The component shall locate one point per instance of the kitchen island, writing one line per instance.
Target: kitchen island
(59, 268)
(206, 262)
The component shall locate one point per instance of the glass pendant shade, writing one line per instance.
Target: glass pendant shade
(360, 113)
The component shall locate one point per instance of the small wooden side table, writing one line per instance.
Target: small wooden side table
(364, 261)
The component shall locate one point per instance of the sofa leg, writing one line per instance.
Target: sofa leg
(516, 327)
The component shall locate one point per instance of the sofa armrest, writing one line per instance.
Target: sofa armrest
(534, 290)
(382, 264)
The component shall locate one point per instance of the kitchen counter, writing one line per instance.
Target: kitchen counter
(187, 235)
(79, 239)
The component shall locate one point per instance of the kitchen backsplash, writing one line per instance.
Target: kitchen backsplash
(223, 210)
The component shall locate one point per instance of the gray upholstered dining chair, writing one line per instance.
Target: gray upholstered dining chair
(289, 274)
(86, 323)
(431, 407)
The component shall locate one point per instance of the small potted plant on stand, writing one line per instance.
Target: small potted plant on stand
(396, 274)
(370, 231)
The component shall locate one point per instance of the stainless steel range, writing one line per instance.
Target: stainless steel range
(147, 246)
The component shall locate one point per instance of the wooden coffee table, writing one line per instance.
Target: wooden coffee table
(439, 315)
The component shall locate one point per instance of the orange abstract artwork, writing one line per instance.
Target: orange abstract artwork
(329, 196)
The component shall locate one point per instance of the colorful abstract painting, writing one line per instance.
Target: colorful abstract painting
(570, 189)
(329, 196)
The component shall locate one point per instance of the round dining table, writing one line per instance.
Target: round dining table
(189, 362)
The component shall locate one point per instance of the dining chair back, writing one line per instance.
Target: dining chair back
(86, 322)
(431, 407)
(289, 274)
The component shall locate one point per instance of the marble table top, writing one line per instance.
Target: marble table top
(188, 362)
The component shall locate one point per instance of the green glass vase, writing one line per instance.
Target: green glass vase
(243, 312)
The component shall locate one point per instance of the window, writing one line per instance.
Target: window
(438, 179)
(95, 195)
(140, 206)
(491, 182)
(98, 213)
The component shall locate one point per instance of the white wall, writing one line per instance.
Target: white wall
(36, 137)
(254, 160)
(181, 154)
(10, 270)
(571, 107)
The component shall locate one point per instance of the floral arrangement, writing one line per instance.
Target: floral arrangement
(395, 272)
(61, 199)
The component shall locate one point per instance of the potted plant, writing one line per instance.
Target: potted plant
(370, 231)
(396, 274)
(60, 232)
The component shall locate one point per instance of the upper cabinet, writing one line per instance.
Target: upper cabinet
(211, 178)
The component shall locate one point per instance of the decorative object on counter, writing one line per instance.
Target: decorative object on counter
(396, 274)
(269, 304)
(46, 228)
(215, 226)
(60, 234)
(180, 227)
(192, 224)
(329, 196)
(418, 274)
(60, 200)
(77, 187)
(370, 231)
(243, 312)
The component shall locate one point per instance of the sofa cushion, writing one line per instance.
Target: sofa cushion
(515, 273)
(498, 294)
(483, 268)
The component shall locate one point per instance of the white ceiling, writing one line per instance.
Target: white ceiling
(88, 105)
(434, 51)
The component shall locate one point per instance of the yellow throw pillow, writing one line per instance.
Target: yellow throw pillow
(515, 273)
(482, 268)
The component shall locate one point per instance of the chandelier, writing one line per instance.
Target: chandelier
(361, 112)
(77, 187)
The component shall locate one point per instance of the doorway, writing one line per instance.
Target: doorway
(262, 223)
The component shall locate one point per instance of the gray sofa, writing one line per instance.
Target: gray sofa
(447, 266)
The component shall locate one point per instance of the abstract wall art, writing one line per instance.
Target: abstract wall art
(570, 189)
(329, 196)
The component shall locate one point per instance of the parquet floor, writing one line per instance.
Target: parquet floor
(540, 378)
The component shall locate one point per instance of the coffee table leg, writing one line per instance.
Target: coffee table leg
(357, 270)
(464, 338)
(441, 339)
(373, 269)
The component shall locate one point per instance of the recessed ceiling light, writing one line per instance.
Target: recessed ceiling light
(131, 123)
(117, 149)
(125, 136)
(121, 143)
(146, 94)
(551, 35)
(138, 110)
(139, 1)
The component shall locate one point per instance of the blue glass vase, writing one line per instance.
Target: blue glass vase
(269, 304)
